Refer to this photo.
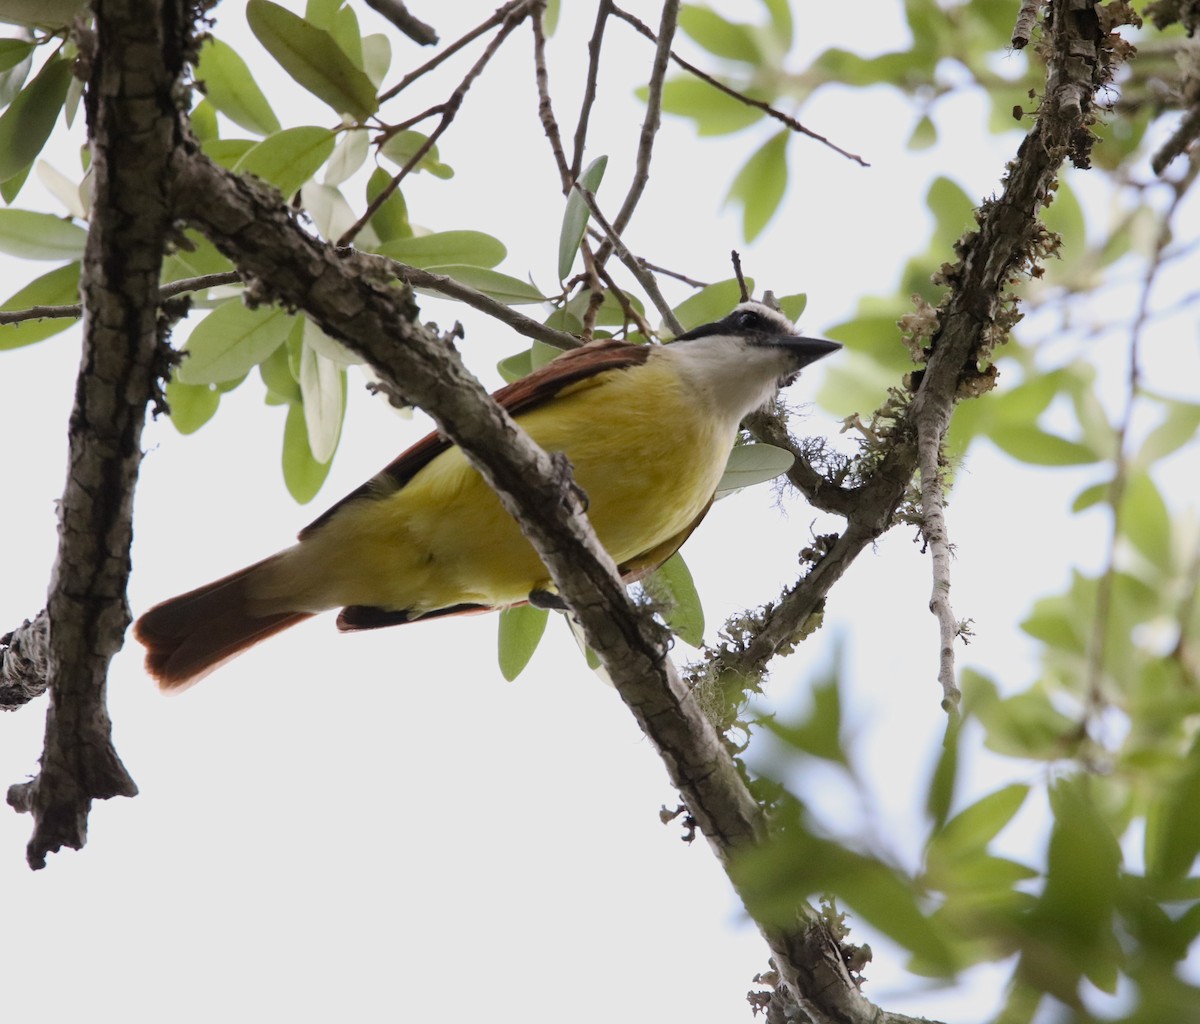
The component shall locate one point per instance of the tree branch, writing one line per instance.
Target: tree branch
(132, 119)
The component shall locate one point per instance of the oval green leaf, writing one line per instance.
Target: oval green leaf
(231, 88)
(403, 146)
(671, 586)
(231, 341)
(711, 303)
(751, 464)
(313, 58)
(288, 158)
(575, 217)
(509, 290)
(760, 185)
(323, 387)
(40, 236)
(191, 405)
(27, 123)
(442, 248)
(302, 474)
(517, 637)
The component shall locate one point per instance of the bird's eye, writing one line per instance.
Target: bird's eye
(748, 320)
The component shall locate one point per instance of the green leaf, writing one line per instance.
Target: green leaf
(793, 306)
(12, 79)
(760, 185)
(945, 776)
(780, 13)
(671, 586)
(313, 58)
(348, 157)
(720, 37)
(230, 341)
(1029, 443)
(302, 474)
(288, 158)
(1146, 521)
(403, 146)
(518, 635)
(1093, 495)
(201, 258)
(515, 367)
(715, 112)
(1172, 839)
(953, 210)
(323, 386)
(231, 88)
(1028, 725)
(377, 57)
(13, 51)
(390, 221)
(575, 216)
(40, 236)
(751, 464)
(27, 123)
(191, 405)
(329, 348)
(227, 152)
(711, 303)
(444, 248)
(924, 134)
(969, 832)
(1178, 427)
(1074, 915)
(203, 121)
(818, 733)
(509, 290)
(57, 287)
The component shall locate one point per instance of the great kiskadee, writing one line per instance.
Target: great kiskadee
(647, 429)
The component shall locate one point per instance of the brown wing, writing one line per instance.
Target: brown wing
(520, 396)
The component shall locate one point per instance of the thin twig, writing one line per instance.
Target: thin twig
(644, 277)
(166, 291)
(450, 51)
(650, 123)
(1097, 643)
(770, 111)
(933, 527)
(405, 21)
(545, 107)
(603, 10)
(629, 309)
(516, 12)
(465, 293)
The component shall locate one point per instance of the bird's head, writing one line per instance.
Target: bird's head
(745, 357)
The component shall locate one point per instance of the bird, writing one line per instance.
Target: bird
(647, 429)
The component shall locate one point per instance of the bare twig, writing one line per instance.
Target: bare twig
(595, 44)
(736, 258)
(644, 277)
(650, 123)
(465, 293)
(166, 291)
(767, 109)
(933, 527)
(405, 21)
(499, 16)
(516, 12)
(1101, 623)
(545, 107)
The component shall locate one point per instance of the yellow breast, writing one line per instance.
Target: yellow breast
(647, 458)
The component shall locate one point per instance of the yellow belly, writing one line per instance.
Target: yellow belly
(648, 467)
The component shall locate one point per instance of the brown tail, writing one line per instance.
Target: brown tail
(188, 636)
